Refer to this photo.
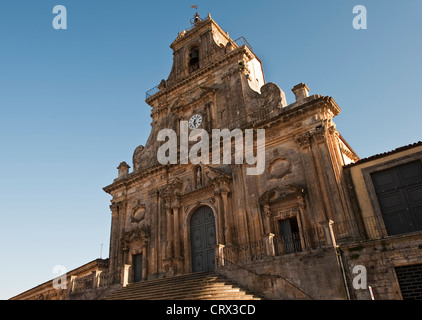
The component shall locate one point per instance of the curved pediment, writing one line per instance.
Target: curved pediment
(281, 193)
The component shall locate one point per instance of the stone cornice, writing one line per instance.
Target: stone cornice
(294, 110)
(134, 177)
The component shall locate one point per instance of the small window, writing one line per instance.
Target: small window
(194, 59)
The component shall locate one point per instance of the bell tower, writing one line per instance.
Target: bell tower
(214, 78)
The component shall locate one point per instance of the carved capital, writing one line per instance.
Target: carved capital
(224, 190)
(320, 134)
(175, 204)
(217, 192)
(167, 203)
(267, 210)
(303, 140)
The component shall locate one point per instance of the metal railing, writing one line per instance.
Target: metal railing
(255, 250)
(369, 228)
(276, 246)
(299, 241)
(151, 92)
(242, 42)
(344, 232)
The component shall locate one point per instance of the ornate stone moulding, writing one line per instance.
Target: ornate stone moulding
(141, 234)
(280, 194)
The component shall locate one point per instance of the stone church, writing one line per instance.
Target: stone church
(296, 230)
(178, 219)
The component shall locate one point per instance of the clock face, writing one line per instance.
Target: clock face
(195, 121)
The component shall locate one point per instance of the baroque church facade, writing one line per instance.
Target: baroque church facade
(177, 219)
(313, 221)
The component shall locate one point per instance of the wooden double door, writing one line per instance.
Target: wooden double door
(399, 193)
(203, 239)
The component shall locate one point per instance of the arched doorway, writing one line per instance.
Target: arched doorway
(203, 239)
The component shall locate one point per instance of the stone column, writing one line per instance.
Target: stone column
(219, 255)
(328, 232)
(176, 231)
(177, 237)
(220, 208)
(267, 215)
(72, 283)
(145, 255)
(122, 206)
(269, 244)
(125, 275)
(227, 218)
(326, 175)
(169, 231)
(313, 176)
(96, 281)
(113, 238)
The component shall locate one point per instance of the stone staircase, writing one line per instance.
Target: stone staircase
(194, 286)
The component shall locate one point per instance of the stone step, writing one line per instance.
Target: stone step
(208, 287)
(189, 284)
(199, 296)
(182, 292)
(195, 286)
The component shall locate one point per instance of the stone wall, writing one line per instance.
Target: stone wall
(310, 275)
(93, 294)
(380, 257)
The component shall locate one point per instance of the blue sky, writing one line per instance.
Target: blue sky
(72, 101)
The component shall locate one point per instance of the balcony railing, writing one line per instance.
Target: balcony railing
(370, 228)
(245, 252)
(276, 246)
(345, 232)
(95, 280)
(109, 279)
(242, 42)
(83, 283)
(299, 241)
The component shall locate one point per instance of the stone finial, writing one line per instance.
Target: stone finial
(301, 91)
(123, 169)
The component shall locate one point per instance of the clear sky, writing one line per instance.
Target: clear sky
(72, 101)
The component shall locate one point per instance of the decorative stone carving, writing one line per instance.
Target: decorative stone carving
(272, 95)
(138, 212)
(141, 234)
(279, 167)
(141, 158)
(173, 188)
(278, 194)
(303, 140)
(214, 174)
(188, 187)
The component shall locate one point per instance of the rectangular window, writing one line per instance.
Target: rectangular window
(410, 281)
